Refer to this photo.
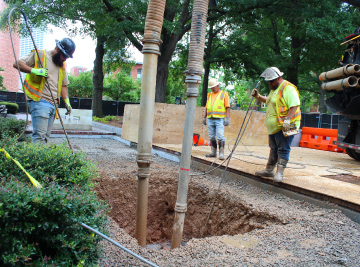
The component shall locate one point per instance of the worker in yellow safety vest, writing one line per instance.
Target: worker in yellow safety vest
(44, 85)
(217, 112)
(283, 117)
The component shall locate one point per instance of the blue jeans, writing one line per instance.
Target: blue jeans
(216, 129)
(42, 119)
(280, 145)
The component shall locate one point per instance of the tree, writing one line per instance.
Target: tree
(81, 86)
(122, 87)
(2, 87)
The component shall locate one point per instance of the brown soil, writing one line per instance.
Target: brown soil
(228, 217)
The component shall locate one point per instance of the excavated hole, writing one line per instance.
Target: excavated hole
(229, 217)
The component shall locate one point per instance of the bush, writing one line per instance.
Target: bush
(11, 127)
(39, 226)
(47, 163)
(11, 107)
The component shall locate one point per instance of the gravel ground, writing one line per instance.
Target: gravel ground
(249, 226)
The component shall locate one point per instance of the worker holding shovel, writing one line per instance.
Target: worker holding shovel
(282, 112)
(217, 112)
(46, 70)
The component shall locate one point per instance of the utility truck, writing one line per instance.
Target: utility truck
(344, 82)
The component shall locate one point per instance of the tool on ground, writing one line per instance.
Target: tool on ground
(198, 141)
(42, 68)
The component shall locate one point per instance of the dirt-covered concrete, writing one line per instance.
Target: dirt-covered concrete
(248, 226)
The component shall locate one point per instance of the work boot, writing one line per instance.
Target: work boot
(213, 149)
(268, 172)
(270, 166)
(279, 175)
(221, 150)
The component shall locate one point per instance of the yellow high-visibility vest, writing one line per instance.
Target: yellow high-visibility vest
(34, 84)
(217, 110)
(282, 108)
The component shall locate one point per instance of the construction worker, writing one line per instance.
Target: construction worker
(217, 111)
(282, 113)
(41, 101)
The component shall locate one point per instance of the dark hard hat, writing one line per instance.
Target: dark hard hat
(67, 46)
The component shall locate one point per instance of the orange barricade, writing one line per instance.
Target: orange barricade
(319, 138)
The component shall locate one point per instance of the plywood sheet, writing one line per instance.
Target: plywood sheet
(169, 125)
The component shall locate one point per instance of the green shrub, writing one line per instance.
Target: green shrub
(47, 163)
(11, 127)
(105, 119)
(12, 108)
(39, 226)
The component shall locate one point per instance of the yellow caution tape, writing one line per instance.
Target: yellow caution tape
(34, 182)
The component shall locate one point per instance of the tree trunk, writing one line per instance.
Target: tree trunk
(205, 84)
(98, 78)
(161, 80)
(292, 70)
(207, 58)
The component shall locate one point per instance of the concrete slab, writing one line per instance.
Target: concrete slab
(79, 119)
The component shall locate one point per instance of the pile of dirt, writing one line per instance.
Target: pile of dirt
(248, 226)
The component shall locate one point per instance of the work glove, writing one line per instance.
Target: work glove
(226, 121)
(40, 72)
(67, 106)
(255, 93)
(204, 121)
(286, 124)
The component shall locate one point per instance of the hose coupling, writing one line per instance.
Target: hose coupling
(181, 208)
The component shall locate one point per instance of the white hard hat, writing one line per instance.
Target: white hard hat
(271, 74)
(213, 82)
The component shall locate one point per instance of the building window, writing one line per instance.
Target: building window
(138, 75)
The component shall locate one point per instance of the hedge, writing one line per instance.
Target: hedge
(40, 226)
(12, 108)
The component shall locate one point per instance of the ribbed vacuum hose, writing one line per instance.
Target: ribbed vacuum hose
(197, 37)
(153, 25)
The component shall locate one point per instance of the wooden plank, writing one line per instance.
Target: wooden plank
(169, 125)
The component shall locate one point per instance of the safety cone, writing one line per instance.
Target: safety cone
(198, 141)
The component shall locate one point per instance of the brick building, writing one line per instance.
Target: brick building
(7, 59)
(75, 71)
(136, 71)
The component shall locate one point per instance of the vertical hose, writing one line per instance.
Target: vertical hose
(151, 41)
(193, 79)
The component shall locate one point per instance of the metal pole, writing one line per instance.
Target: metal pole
(193, 79)
(153, 25)
(118, 245)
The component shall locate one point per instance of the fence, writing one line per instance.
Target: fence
(114, 108)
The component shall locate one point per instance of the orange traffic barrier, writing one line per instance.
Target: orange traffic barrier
(198, 141)
(319, 138)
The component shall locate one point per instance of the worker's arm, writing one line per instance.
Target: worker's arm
(204, 119)
(27, 69)
(292, 111)
(255, 93)
(65, 96)
(23, 67)
(228, 112)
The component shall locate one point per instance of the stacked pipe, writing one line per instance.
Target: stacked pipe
(151, 51)
(340, 78)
